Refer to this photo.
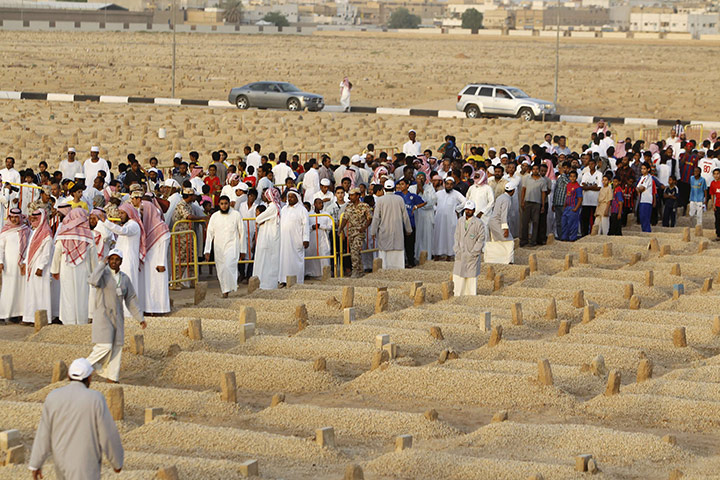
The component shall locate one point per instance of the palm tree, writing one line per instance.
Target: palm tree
(232, 11)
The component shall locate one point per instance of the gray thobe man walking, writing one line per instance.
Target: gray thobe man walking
(108, 327)
(469, 242)
(76, 428)
(389, 220)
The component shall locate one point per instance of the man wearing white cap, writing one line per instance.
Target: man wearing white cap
(226, 232)
(94, 164)
(412, 147)
(449, 201)
(70, 167)
(241, 196)
(294, 238)
(229, 190)
(469, 242)
(171, 193)
(501, 247)
(76, 428)
(113, 288)
(326, 195)
(389, 226)
(362, 175)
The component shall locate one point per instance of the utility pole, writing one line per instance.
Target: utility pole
(557, 52)
(174, 21)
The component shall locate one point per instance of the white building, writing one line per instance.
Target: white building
(694, 23)
(254, 13)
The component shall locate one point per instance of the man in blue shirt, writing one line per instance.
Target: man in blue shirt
(412, 203)
(698, 187)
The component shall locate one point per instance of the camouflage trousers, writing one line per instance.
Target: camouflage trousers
(357, 244)
(184, 256)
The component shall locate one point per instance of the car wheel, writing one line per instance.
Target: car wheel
(293, 105)
(472, 111)
(526, 114)
(242, 102)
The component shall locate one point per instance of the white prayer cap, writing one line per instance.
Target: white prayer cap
(153, 169)
(411, 131)
(178, 155)
(389, 185)
(170, 182)
(682, 150)
(469, 205)
(80, 176)
(80, 369)
(504, 155)
(492, 149)
(115, 251)
(71, 150)
(242, 186)
(95, 149)
(355, 158)
(325, 182)
(510, 186)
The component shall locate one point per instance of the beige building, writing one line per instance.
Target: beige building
(576, 17)
(499, 18)
(528, 19)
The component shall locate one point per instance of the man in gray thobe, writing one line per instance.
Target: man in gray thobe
(108, 327)
(469, 242)
(501, 247)
(389, 219)
(76, 428)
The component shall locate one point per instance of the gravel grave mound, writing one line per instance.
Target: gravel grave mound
(465, 387)
(424, 465)
(701, 391)
(189, 468)
(637, 278)
(23, 416)
(189, 439)
(265, 374)
(664, 317)
(353, 422)
(655, 331)
(550, 442)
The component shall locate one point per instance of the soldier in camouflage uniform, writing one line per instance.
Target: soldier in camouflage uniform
(357, 217)
(183, 243)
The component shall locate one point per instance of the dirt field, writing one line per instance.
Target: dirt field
(660, 79)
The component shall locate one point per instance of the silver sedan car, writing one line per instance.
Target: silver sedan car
(275, 95)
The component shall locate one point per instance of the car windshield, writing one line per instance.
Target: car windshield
(517, 93)
(288, 87)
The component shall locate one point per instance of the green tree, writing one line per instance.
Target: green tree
(232, 11)
(472, 19)
(277, 19)
(402, 18)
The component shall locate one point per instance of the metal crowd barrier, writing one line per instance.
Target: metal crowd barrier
(391, 151)
(305, 156)
(465, 148)
(21, 186)
(192, 259)
(369, 249)
(694, 131)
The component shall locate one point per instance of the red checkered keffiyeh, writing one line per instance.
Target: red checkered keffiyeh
(23, 230)
(75, 234)
(39, 235)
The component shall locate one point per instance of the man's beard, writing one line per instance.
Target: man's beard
(226, 211)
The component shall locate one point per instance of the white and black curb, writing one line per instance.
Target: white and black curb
(407, 112)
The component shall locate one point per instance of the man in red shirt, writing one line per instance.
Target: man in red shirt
(715, 194)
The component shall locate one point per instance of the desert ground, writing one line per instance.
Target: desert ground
(601, 311)
(621, 78)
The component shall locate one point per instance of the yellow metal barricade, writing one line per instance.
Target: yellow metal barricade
(332, 257)
(180, 265)
(184, 264)
(465, 148)
(391, 151)
(651, 135)
(24, 189)
(369, 247)
(305, 156)
(694, 131)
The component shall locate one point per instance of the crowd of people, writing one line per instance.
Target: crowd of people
(273, 216)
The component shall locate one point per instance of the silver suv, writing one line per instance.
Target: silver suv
(478, 99)
(275, 95)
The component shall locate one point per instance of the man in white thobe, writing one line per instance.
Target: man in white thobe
(94, 164)
(424, 216)
(267, 263)
(469, 242)
(113, 289)
(327, 197)
(131, 242)
(71, 166)
(320, 228)
(501, 246)
(173, 196)
(449, 201)
(13, 247)
(311, 182)
(155, 269)
(74, 259)
(294, 238)
(226, 232)
(412, 147)
(37, 271)
(77, 429)
(390, 224)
